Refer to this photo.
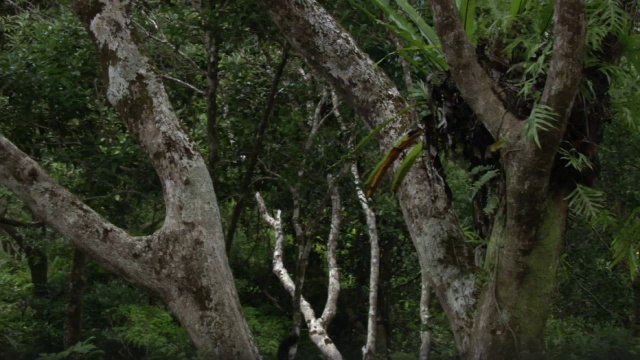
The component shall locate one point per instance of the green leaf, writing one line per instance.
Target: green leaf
(423, 39)
(575, 159)
(406, 165)
(540, 119)
(631, 49)
(517, 7)
(427, 31)
(373, 181)
(468, 17)
(586, 201)
(489, 174)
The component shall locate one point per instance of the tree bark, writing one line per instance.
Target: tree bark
(77, 284)
(184, 262)
(514, 303)
(317, 326)
(527, 235)
(425, 314)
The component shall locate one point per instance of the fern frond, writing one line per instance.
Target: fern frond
(613, 73)
(604, 17)
(625, 244)
(575, 159)
(489, 173)
(586, 201)
(419, 91)
(492, 203)
(540, 119)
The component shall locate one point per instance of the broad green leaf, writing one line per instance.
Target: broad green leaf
(406, 165)
(427, 31)
(374, 179)
(517, 7)
(377, 129)
(468, 17)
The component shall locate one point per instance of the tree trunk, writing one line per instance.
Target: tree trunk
(77, 284)
(184, 262)
(515, 301)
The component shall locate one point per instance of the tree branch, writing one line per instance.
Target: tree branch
(184, 262)
(333, 53)
(317, 327)
(69, 216)
(475, 85)
(245, 185)
(565, 71)
(332, 264)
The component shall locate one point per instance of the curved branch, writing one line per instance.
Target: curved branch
(475, 85)
(333, 289)
(563, 80)
(70, 217)
(317, 326)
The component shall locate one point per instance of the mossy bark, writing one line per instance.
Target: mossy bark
(514, 304)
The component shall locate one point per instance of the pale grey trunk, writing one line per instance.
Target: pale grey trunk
(184, 262)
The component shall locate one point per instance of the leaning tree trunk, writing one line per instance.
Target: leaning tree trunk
(492, 322)
(184, 262)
